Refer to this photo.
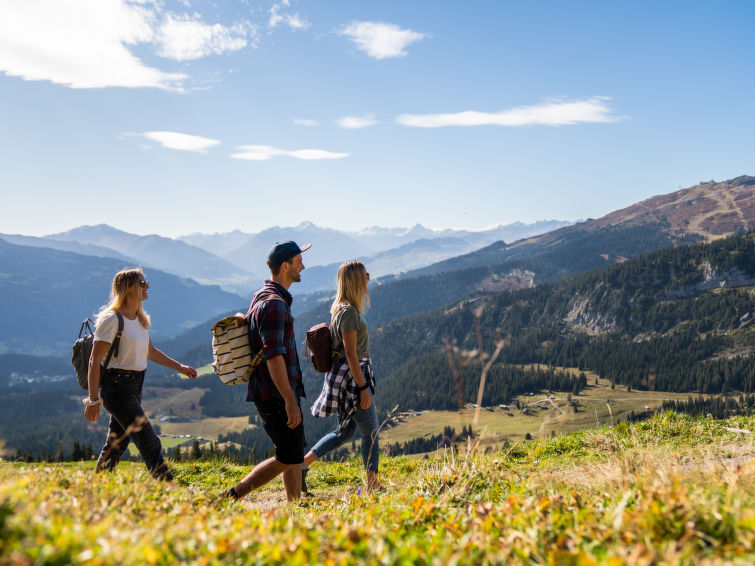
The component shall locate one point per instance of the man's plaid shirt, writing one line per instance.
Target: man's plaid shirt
(271, 328)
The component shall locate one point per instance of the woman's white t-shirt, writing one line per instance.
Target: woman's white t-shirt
(134, 346)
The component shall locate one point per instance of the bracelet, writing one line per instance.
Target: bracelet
(362, 387)
(89, 403)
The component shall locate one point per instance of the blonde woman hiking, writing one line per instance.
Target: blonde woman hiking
(123, 377)
(350, 385)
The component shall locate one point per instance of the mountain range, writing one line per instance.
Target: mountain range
(550, 257)
(658, 295)
(384, 250)
(700, 213)
(236, 260)
(46, 293)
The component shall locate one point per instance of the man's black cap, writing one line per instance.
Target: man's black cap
(284, 251)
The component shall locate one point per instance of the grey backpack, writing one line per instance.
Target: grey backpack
(82, 350)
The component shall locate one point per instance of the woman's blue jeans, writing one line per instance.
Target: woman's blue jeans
(122, 397)
(367, 421)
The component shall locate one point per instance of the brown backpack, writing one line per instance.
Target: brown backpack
(320, 347)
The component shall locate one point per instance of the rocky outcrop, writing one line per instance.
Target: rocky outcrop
(712, 279)
(510, 281)
(582, 316)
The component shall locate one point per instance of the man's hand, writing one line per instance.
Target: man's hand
(240, 319)
(277, 368)
(294, 413)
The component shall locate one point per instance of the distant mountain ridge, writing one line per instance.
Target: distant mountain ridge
(366, 242)
(45, 294)
(703, 212)
(68, 246)
(384, 250)
(166, 254)
(712, 210)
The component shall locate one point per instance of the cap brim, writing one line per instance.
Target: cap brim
(305, 247)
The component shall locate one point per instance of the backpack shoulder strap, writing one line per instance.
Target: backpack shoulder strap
(262, 300)
(116, 341)
(334, 327)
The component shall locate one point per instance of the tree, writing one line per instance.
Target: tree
(196, 451)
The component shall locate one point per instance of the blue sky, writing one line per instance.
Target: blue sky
(174, 117)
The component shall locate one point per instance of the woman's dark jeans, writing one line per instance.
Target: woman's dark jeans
(122, 397)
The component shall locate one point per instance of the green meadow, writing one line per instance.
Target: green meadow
(669, 490)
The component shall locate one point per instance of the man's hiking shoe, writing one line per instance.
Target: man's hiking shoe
(304, 489)
(229, 494)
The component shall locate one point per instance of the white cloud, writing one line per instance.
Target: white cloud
(80, 45)
(291, 20)
(265, 152)
(183, 37)
(306, 122)
(356, 122)
(380, 40)
(591, 110)
(88, 43)
(182, 142)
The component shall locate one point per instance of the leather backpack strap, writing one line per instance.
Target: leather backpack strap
(116, 342)
(262, 300)
(341, 348)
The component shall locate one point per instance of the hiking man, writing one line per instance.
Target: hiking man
(276, 385)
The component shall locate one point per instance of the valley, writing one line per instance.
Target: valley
(538, 415)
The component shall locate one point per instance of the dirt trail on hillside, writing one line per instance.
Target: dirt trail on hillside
(547, 420)
(725, 204)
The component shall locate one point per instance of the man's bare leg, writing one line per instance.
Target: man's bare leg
(263, 473)
(292, 481)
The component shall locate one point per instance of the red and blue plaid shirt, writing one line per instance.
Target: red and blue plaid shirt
(271, 328)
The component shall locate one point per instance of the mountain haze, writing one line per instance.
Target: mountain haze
(166, 254)
(45, 294)
(68, 246)
(385, 250)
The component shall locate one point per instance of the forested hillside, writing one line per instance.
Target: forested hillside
(679, 319)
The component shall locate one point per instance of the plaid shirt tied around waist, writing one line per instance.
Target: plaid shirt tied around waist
(340, 393)
(271, 329)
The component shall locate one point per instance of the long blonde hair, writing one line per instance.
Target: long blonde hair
(123, 281)
(351, 287)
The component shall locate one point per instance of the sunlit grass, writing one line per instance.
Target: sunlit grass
(669, 490)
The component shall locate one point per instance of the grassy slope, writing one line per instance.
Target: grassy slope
(543, 416)
(668, 490)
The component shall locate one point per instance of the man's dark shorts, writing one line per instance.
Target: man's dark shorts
(289, 442)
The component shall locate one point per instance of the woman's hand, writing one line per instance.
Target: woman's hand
(188, 371)
(92, 412)
(365, 399)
